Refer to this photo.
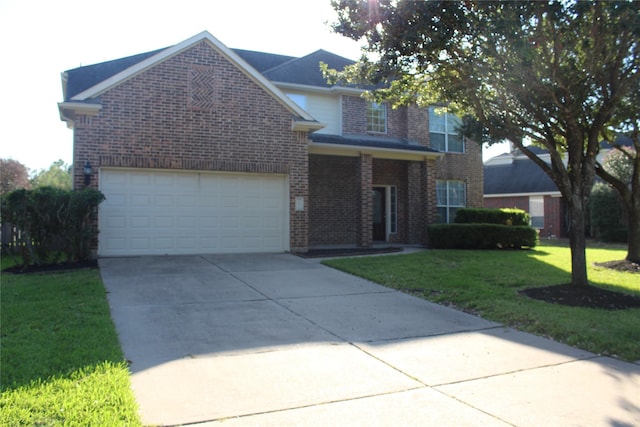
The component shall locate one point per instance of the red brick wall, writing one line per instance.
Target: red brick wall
(364, 178)
(196, 111)
(354, 118)
(333, 209)
(465, 167)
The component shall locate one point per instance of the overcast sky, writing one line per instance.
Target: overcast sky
(43, 38)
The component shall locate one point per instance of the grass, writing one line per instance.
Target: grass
(486, 283)
(61, 360)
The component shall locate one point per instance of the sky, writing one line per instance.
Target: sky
(43, 38)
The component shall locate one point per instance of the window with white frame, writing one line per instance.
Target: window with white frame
(443, 131)
(451, 196)
(376, 117)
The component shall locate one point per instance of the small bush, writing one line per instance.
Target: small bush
(514, 217)
(481, 236)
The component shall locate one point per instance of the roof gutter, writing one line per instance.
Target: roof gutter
(541, 193)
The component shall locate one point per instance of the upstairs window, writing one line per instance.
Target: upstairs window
(376, 117)
(443, 132)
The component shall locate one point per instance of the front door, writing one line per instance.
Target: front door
(379, 214)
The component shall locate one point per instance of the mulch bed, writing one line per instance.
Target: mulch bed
(339, 252)
(589, 296)
(51, 268)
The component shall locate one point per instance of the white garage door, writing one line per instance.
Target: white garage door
(159, 212)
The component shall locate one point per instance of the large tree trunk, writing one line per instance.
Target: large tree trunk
(577, 241)
(633, 247)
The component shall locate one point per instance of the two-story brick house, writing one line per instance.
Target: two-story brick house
(201, 149)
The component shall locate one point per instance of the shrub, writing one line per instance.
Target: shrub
(52, 221)
(606, 214)
(481, 236)
(492, 216)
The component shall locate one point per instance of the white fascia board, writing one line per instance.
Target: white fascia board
(550, 193)
(340, 90)
(306, 126)
(376, 152)
(174, 50)
(68, 111)
(80, 106)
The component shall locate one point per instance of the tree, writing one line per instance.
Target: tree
(621, 170)
(13, 175)
(555, 74)
(58, 175)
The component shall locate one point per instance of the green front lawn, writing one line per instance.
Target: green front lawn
(61, 361)
(487, 283)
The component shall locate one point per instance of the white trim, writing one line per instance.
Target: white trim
(174, 50)
(68, 111)
(376, 152)
(306, 125)
(552, 194)
(341, 90)
(387, 209)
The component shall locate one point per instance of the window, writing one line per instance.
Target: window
(376, 117)
(451, 195)
(443, 132)
(536, 211)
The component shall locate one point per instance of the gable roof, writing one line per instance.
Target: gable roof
(113, 73)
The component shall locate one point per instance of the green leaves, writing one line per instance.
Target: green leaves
(52, 221)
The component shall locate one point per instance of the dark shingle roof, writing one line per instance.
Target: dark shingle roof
(306, 70)
(371, 141)
(262, 61)
(521, 176)
(280, 68)
(82, 78)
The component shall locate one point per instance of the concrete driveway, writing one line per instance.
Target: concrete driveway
(277, 340)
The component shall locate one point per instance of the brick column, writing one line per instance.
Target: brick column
(415, 215)
(299, 188)
(429, 196)
(365, 200)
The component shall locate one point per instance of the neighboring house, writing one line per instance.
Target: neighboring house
(512, 180)
(199, 148)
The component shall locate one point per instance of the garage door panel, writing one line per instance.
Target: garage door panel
(156, 212)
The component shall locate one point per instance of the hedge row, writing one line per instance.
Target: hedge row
(492, 216)
(51, 221)
(481, 236)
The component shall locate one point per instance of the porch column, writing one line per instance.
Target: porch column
(429, 196)
(364, 172)
(416, 219)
